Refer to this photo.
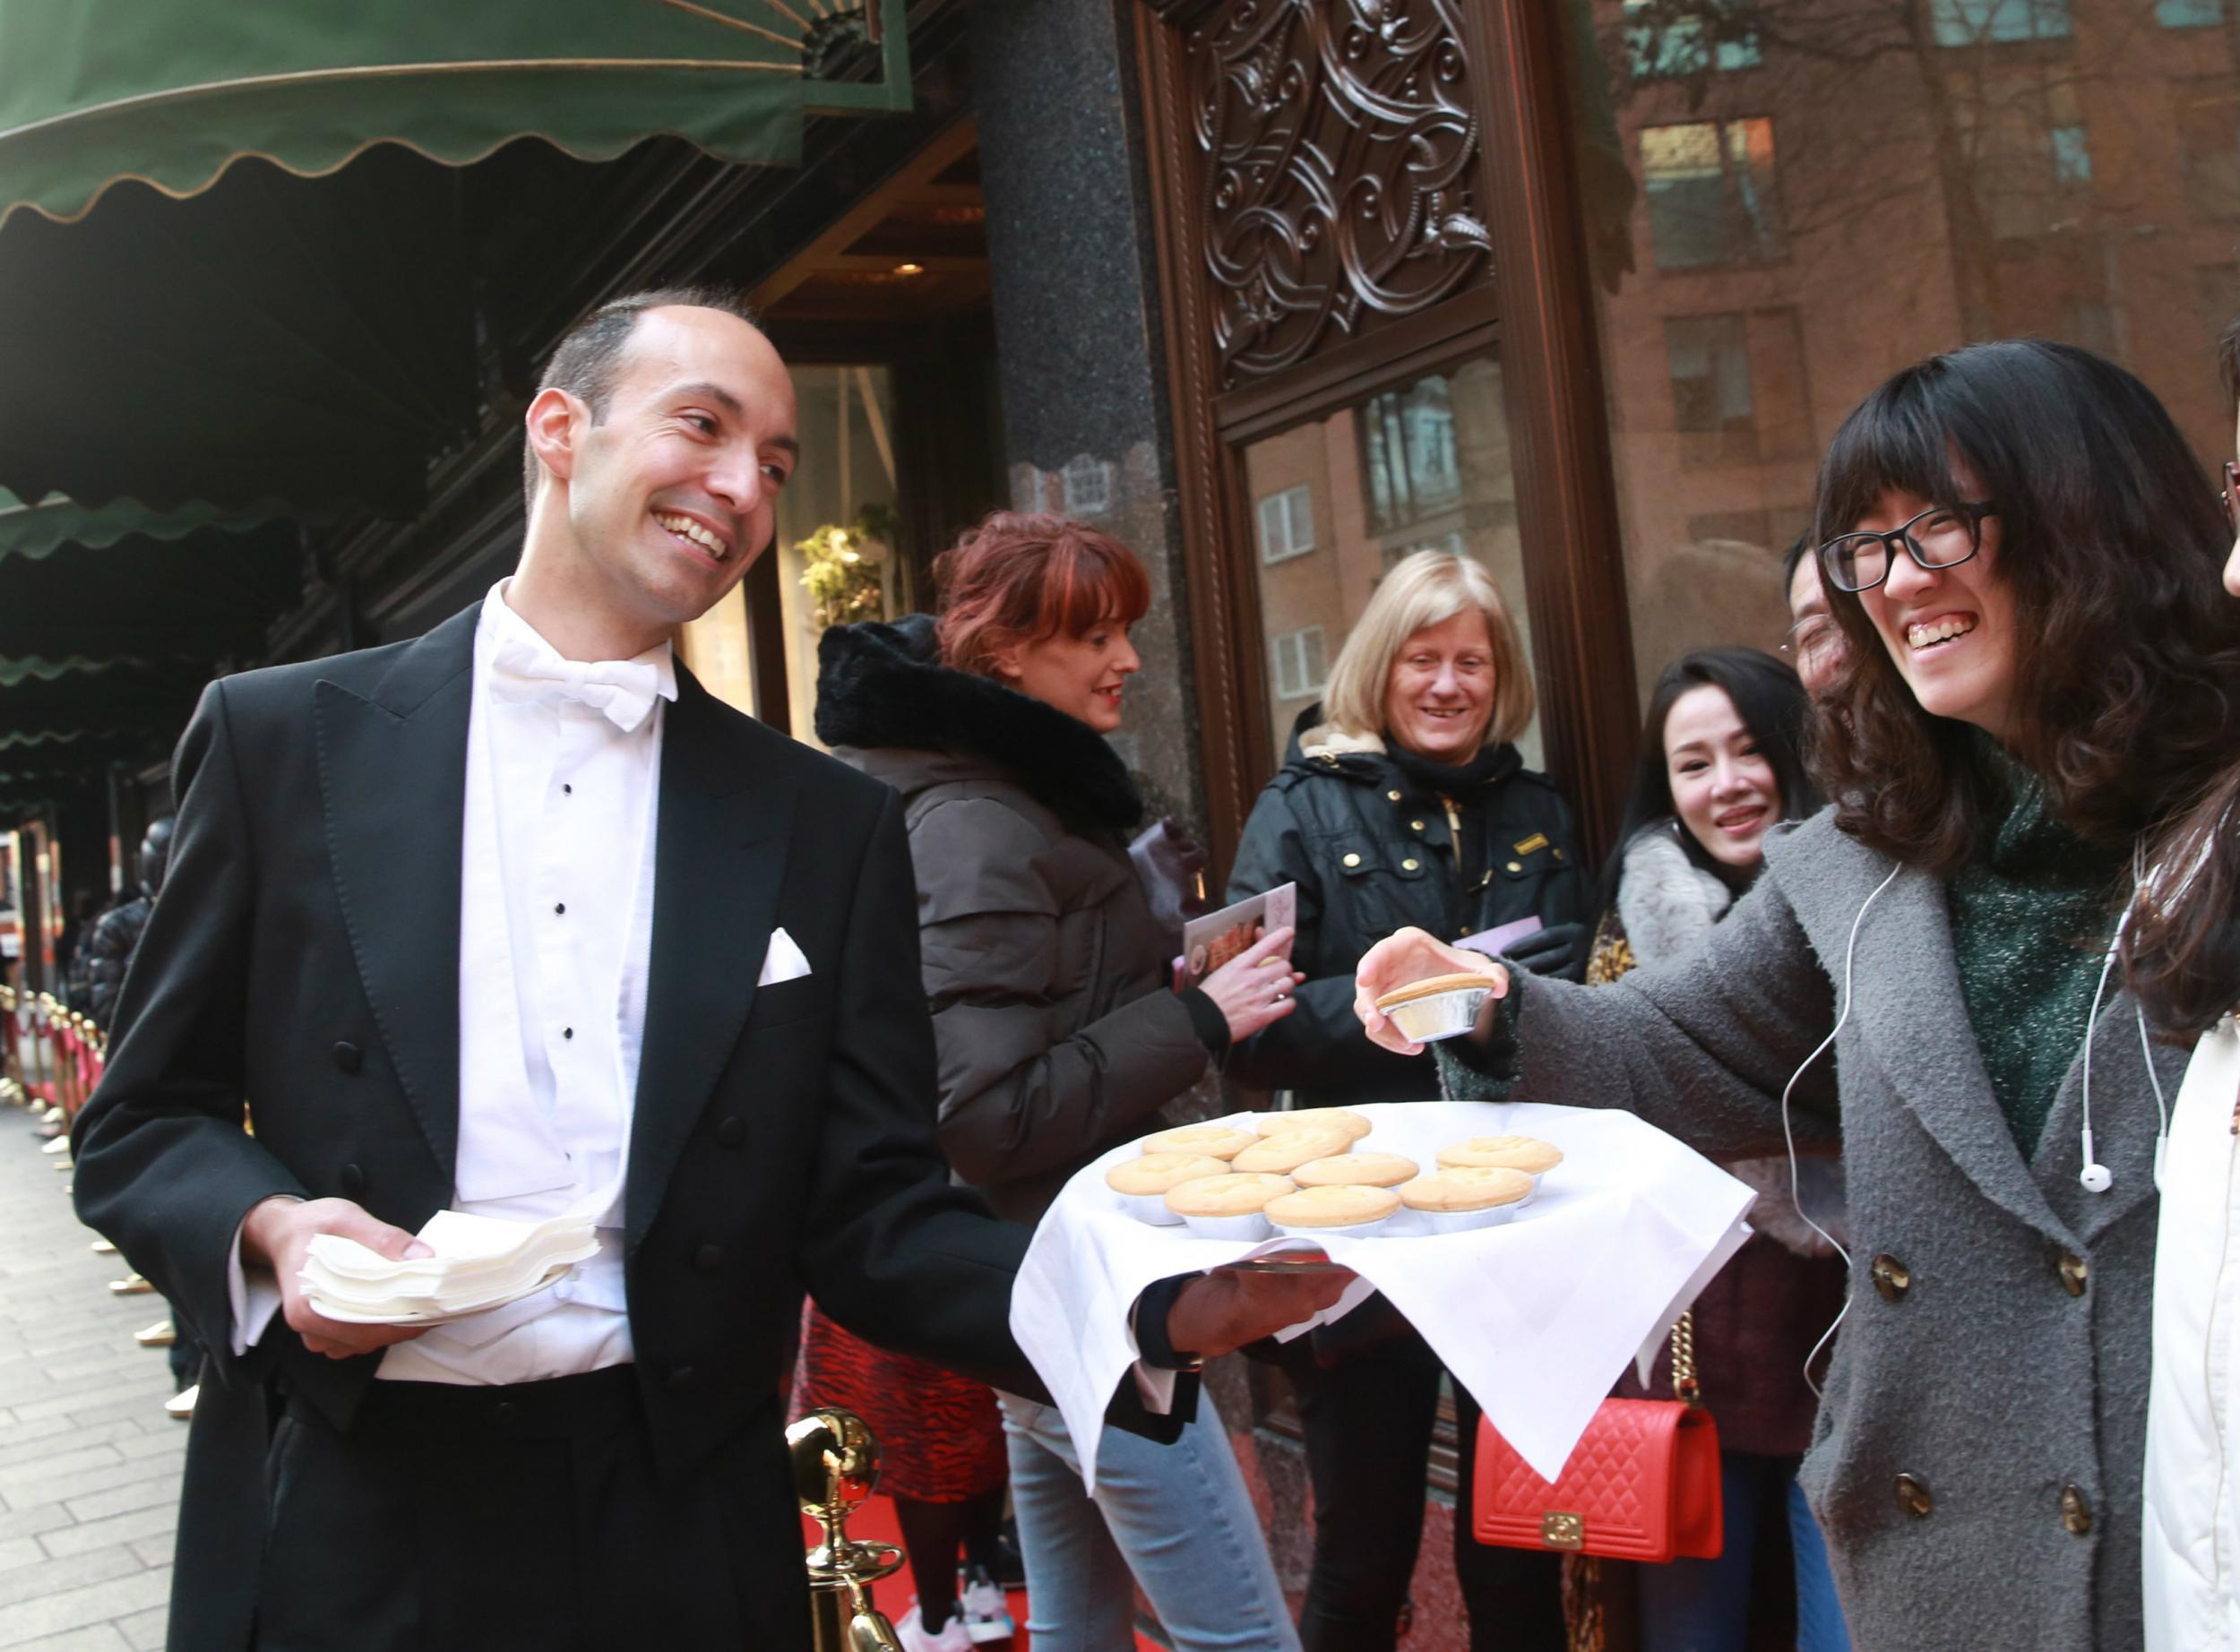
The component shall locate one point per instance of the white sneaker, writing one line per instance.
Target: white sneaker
(987, 1613)
(911, 1632)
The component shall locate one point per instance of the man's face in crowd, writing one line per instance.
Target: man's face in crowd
(673, 493)
(1816, 640)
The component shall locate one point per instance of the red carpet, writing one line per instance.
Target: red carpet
(875, 1523)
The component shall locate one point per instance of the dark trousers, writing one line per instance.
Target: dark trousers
(1368, 1421)
(518, 1519)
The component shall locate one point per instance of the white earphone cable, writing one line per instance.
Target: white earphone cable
(1789, 1135)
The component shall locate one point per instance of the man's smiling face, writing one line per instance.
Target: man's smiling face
(672, 494)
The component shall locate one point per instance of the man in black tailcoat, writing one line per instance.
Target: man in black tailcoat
(515, 920)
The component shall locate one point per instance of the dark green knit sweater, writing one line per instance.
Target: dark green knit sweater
(2031, 917)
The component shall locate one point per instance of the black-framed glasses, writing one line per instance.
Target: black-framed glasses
(1943, 535)
(2232, 495)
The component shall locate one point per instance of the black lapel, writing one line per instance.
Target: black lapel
(393, 781)
(720, 861)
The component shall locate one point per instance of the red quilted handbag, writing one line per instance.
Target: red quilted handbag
(1642, 1486)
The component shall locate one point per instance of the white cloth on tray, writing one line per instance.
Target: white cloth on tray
(1536, 1317)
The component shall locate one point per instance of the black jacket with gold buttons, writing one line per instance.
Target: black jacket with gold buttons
(1372, 851)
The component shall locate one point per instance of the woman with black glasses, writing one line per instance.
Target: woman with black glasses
(2020, 549)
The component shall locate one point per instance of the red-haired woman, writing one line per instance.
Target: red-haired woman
(1058, 1032)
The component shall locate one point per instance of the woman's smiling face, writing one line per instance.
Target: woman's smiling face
(1951, 632)
(1724, 790)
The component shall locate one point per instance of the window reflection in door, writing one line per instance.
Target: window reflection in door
(1337, 501)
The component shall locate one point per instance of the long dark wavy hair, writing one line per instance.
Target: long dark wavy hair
(2181, 950)
(2127, 662)
(1772, 706)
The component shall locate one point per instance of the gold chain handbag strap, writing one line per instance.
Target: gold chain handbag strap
(1684, 1385)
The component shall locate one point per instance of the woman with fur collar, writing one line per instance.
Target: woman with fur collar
(1056, 1026)
(1720, 765)
(1404, 800)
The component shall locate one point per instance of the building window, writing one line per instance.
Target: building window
(1088, 484)
(1974, 22)
(1711, 194)
(1738, 388)
(1407, 450)
(2189, 13)
(1669, 39)
(1302, 666)
(2030, 158)
(2209, 149)
(1286, 524)
(1708, 358)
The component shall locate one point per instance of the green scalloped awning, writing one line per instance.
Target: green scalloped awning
(172, 93)
(41, 529)
(258, 250)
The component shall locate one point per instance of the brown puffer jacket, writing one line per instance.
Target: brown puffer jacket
(1047, 975)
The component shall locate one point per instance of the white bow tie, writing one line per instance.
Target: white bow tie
(622, 691)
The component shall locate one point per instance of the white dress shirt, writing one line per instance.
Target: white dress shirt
(554, 935)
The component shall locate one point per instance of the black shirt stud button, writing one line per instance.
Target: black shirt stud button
(348, 1057)
(353, 1181)
(709, 1258)
(732, 1132)
(560, 908)
(1913, 1497)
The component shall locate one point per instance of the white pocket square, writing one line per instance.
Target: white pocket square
(783, 961)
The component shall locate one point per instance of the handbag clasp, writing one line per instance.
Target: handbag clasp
(1563, 1531)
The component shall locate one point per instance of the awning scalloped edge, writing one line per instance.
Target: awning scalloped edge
(577, 152)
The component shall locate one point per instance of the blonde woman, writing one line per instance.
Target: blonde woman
(1403, 801)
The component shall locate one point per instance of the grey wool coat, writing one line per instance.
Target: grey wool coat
(1975, 1462)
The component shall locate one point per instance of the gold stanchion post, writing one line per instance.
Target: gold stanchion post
(835, 1467)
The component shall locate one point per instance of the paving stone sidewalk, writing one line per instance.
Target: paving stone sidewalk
(88, 1462)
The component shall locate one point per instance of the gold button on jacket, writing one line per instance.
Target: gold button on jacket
(2073, 1273)
(1913, 1497)
(1892, 1277)
(2076, 1513)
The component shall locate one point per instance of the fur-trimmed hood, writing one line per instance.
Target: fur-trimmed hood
(880, 685)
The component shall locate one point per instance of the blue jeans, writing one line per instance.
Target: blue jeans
(1176, 1519)
(1819, 1615)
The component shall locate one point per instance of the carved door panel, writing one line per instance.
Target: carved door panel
(1355, 196)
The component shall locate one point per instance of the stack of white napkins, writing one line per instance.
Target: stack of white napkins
(479, 1263)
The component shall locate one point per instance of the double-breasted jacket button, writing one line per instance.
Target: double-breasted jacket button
(348, 1056)
(1392, 797)
(1516, 865)
(731, 1133)
(708, 1259)
(1892, 1277)
(1415, 825)
(1353, 860)
(353, 1180)
(2074, 1272)
(1913, 1497)
(1410, 863)
(2076, 1513)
